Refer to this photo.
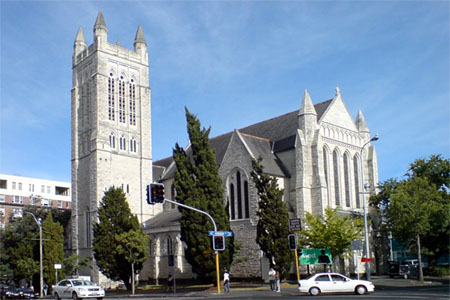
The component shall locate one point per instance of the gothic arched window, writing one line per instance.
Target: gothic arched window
(346, 181)
(122, 143)
(132, 102)
(325, 169)
(112, 141)
(121, 100)
(111, 112)
(239, 197)
(356, 172)
(133, 145)
(336, 178)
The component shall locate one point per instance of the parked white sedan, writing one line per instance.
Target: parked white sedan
(77, 289)
(334, 283)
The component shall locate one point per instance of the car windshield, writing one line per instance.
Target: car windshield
(82, 282)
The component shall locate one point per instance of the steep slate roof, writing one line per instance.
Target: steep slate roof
(166, 218)
(280, 130)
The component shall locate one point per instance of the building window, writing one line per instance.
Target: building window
(346, 181)
(31, 187)
(122, 143)
(325, 170)
(60, 204)
(19, 185)
(121, 100)
(17, 199)
(42, 188)
(32, 200)
(239, 198)
(2, 184)
(88, 229)
(169, 246)
(17, 213)
(336, 178)
(356, 172)
(133, 145)
(132, 104)
(2, 198)
(48, 189)
(111, 100)
(112, 141)
(13, 185)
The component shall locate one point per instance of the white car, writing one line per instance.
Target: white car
(334, 283)
(77, 289)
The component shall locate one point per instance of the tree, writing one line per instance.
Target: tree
(133, 245)
(26, 267)
(273, 225)
(332, 231)
(417, 207)
(114, 219)
(73, 264)
(52, 233)
(198, 184)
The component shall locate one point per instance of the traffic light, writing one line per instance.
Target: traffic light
(219, 242)
(292, 241)
(149, 198)
(157, 193)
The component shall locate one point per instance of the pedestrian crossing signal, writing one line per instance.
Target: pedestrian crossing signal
(292, 242)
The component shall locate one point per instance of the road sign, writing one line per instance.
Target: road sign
(295, 225)
(366, 259)
(220, 233)
(356, 245)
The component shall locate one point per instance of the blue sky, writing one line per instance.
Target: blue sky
(232, 63)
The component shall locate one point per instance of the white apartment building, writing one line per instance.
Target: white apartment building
(16, 192)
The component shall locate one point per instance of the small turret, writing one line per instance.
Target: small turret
(140, 44)
(362, 126)
(100, 30)
(307, 116)
(79, 44)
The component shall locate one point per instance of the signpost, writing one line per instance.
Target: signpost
(220, 233)
(295, 225)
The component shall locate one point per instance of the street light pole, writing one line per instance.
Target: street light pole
(366, 232)
(41, 269)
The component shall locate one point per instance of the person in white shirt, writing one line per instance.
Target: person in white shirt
(226, 281)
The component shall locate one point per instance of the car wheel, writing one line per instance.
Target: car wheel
(75, 296)
(360, 290)
(99, 298)
(314, 291)
(57, 297)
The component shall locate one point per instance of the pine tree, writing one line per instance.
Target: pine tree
(198, 185)
(273, 226)
(53, 248)
(115, 218)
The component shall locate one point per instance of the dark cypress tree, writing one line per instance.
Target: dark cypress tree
(273, 226)
(198, 185)
(115, 218)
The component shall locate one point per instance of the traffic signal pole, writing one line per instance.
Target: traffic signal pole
(215, 229)
(296, 265)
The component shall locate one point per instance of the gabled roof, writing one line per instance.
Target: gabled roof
(280, 130)
(167, 218)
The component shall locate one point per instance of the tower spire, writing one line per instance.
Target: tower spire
(79, 45)
(100, 30)
(307, 107)
(361, 123)
(139, 38)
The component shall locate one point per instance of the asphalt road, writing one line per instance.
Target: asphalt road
(439, 292)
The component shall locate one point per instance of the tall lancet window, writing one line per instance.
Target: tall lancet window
(356, 172)
(325, 170)
(346, 181)
(132, 100)
(112, 141)
(111, 99)
(121, 100)
(239, 197)
(336, 178)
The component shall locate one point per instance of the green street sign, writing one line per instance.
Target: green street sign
(316, 256)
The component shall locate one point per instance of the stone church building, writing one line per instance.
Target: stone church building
(315, 153)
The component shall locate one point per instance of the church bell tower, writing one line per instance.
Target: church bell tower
(111, 129)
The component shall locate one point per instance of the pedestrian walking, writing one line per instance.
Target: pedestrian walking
(170, 283)
(226, 281)
(277, 279)
(272, 279)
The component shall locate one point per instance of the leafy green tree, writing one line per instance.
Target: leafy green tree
(198, 185)
(332, 231)
(403, 213)
(26, 267)
(133, 245)
(273, 225)
(52, 233)
(115, 218)
(412, 207)
(73, 264)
